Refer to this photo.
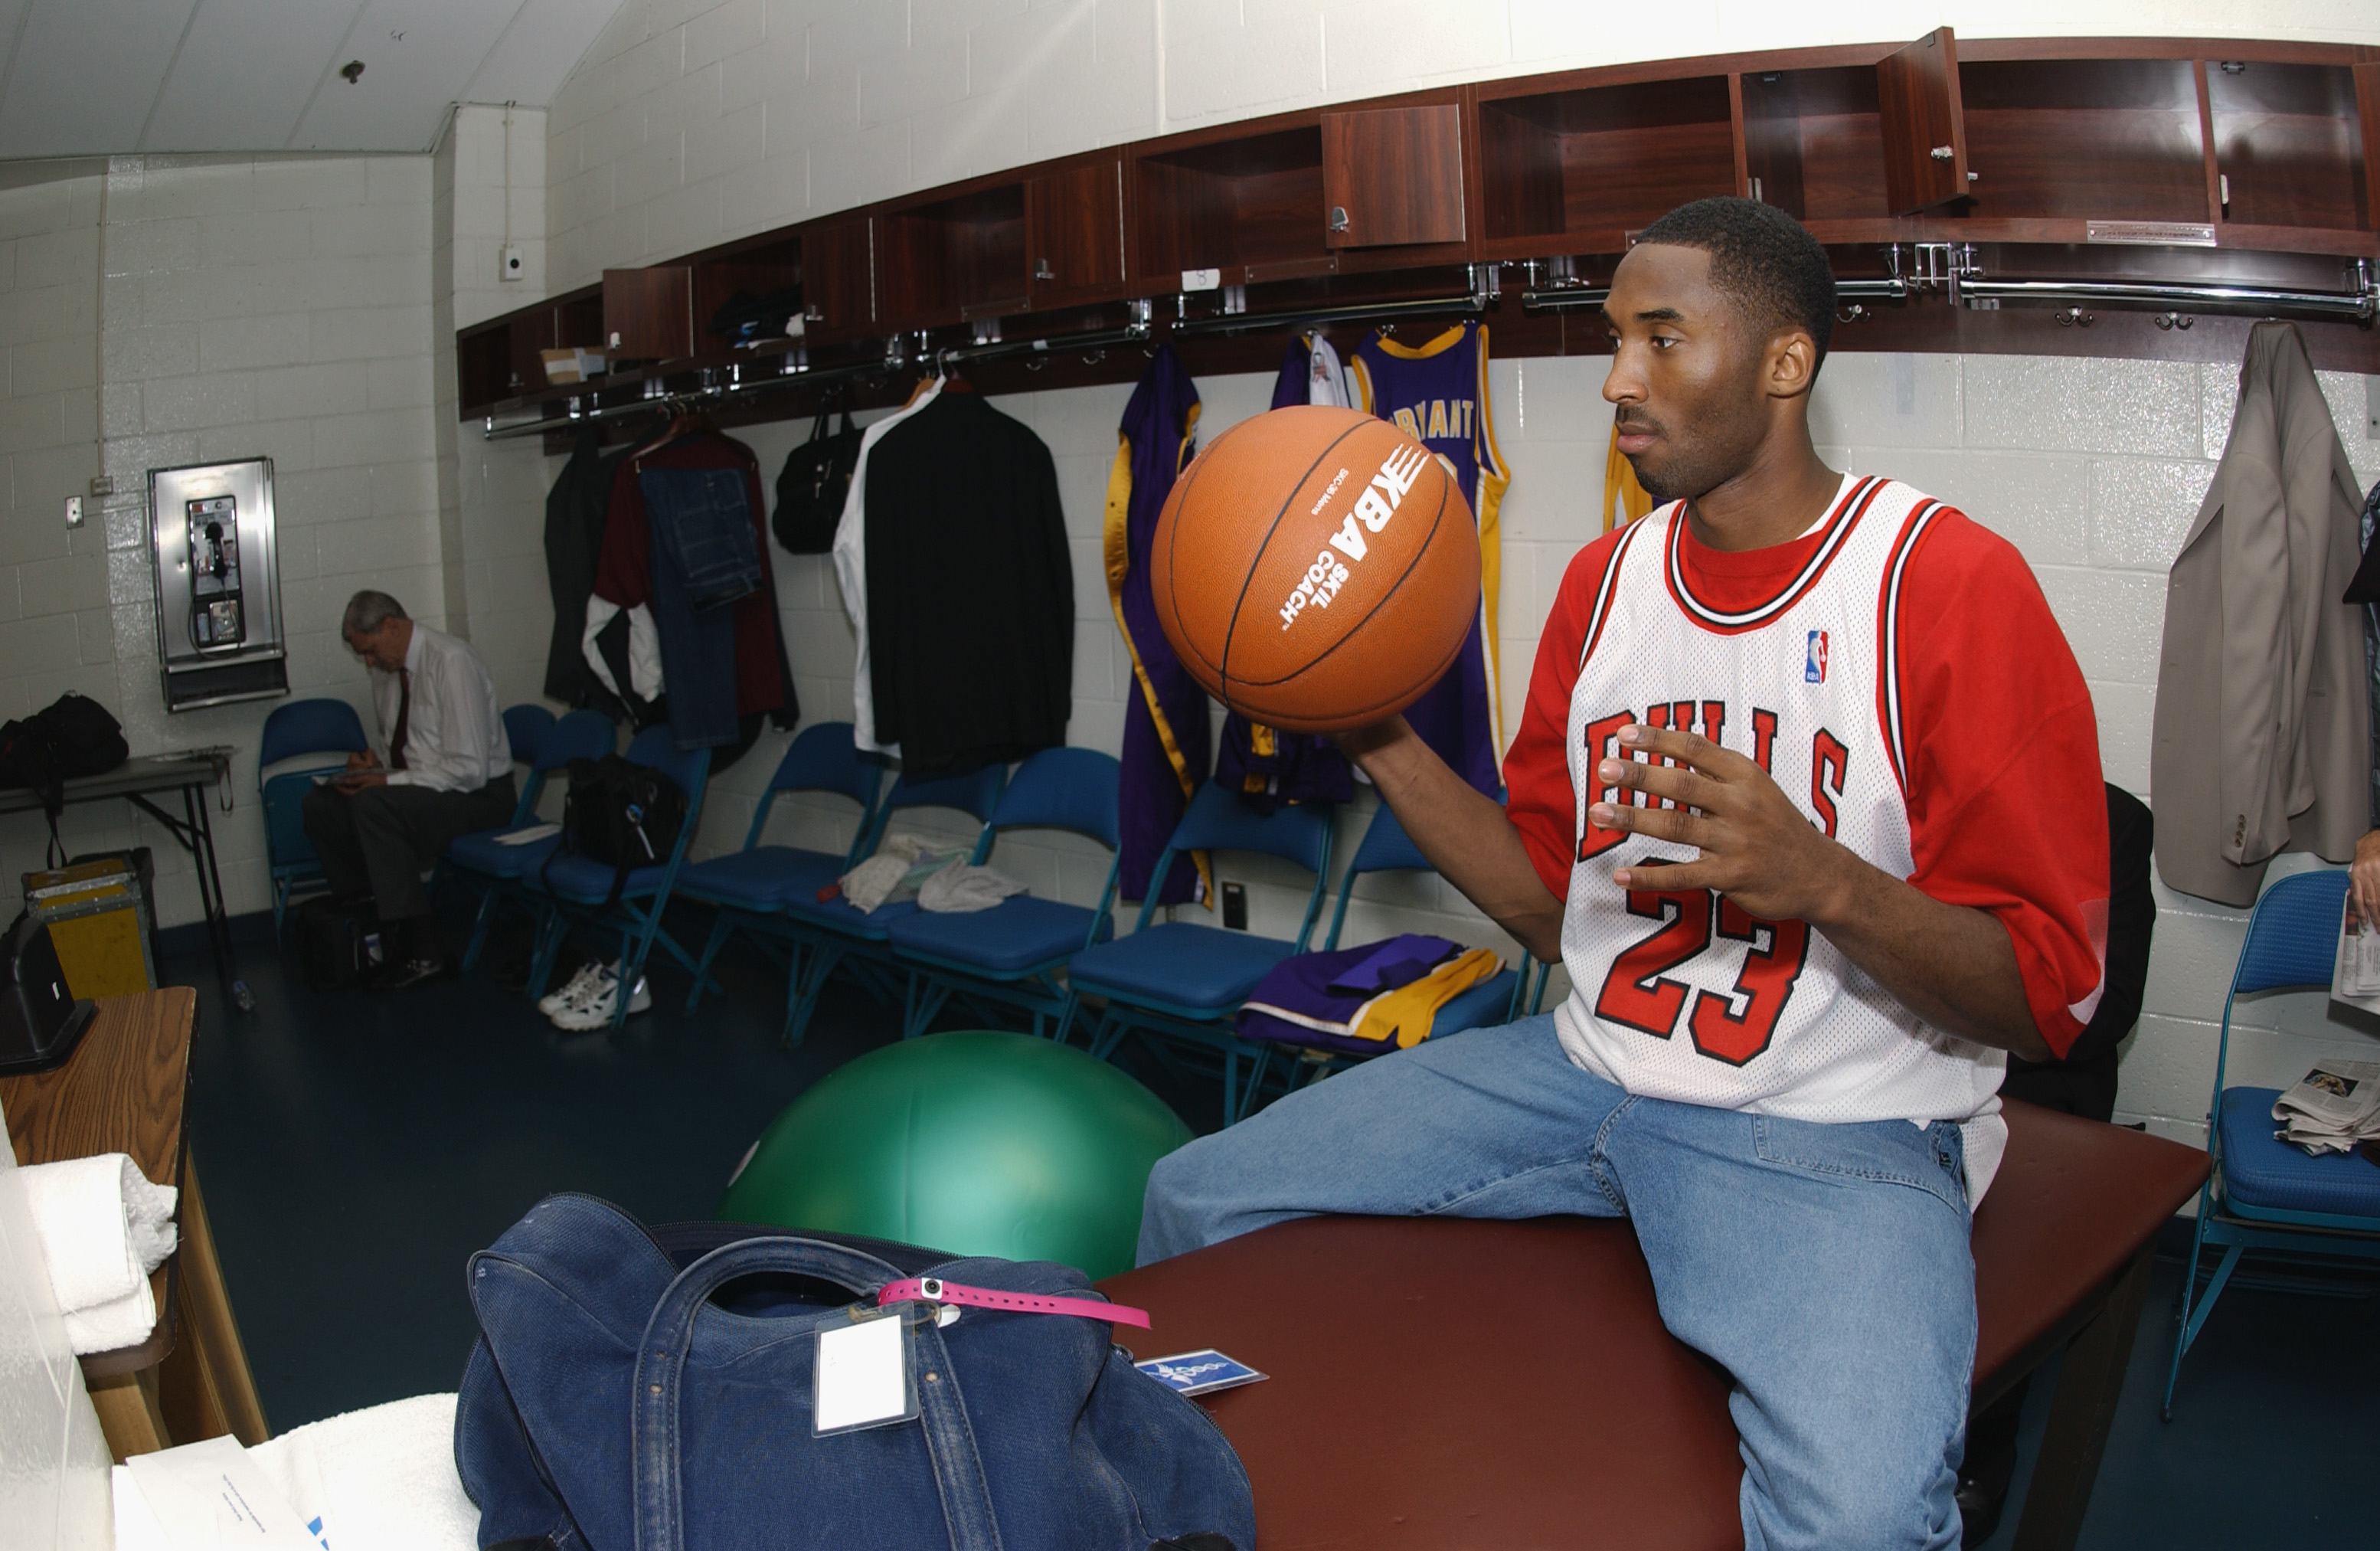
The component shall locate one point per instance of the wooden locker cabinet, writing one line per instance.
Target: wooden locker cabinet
(2290, 144)
(1073, 226)
(1576, 163)
(1924, 134)
(838, 280)
(2367, 112)
(1393, 176)
(649, 314)
(950, 259)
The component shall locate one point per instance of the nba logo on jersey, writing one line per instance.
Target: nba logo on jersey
(1814, 671)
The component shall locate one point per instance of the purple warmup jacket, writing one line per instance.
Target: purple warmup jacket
(1165, 749)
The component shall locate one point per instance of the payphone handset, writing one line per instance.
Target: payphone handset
(216, 618)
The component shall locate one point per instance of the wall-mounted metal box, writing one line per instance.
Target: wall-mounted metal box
(219, 630)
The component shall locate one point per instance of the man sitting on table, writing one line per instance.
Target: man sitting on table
(449, 772)
(1807, 798)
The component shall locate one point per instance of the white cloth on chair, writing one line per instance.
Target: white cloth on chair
(963, 890)
(103, 1227)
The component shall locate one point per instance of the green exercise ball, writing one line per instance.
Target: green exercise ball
(978, 1142)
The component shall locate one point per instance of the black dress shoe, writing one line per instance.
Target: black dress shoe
(406, 973)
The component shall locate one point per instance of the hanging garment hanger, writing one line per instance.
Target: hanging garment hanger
(952, 381)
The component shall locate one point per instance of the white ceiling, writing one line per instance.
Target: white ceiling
(112, 77)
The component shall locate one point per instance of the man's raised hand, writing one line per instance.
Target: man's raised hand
(1757, 848)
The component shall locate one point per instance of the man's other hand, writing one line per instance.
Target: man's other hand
(365, 761)
(1757, 848)
(2365, 877)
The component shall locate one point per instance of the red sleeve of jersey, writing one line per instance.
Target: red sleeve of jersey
(622, 567)
(1536, 767)
(2006, 809)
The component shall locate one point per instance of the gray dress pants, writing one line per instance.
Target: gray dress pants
(378, 840)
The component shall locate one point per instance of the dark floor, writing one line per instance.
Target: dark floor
(356, 1150)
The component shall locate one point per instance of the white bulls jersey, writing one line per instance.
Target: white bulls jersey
(1681, 994)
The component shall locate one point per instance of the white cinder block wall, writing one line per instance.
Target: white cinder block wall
(161, 310)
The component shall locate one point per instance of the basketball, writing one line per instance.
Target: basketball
(1316, 569)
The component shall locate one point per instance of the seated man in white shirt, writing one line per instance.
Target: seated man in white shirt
(449, 772)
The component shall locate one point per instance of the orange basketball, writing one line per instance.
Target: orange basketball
(1316, 569)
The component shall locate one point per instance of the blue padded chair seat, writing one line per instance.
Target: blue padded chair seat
(578, 879)
(1019, 934)
(836, 915)
(2274, 1176)
(760, 879)
(1188, 966)
(481, 853)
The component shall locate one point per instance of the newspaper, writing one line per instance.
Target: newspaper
(2356, 977)
(2332, 1107)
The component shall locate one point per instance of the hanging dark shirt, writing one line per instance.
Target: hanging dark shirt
(575, 512)
(970, 590)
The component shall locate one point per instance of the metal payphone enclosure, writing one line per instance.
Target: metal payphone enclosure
(219, 630)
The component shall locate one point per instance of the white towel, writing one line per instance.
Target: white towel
(102, 1227)
(965, 890)
(898, 866)
(115, 1324)
(377, 1479)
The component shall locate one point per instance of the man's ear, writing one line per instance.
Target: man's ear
(1791, 364)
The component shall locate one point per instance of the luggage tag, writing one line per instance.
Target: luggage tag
(866, 1374)
(1199, 1372)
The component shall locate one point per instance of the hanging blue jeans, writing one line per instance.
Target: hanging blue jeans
(703, 518)
(698, 643)
(1824, 1267)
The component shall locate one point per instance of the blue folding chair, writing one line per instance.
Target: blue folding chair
(822, 934)
(1385, 847)
(300, 728)
(1184, 981)
(578, 887)
(497, 868)
(1012, 954)
(524, 728)
(2263, 1194)
(749, 888)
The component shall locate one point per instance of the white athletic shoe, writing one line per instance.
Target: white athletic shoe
(595, 1011)
(578, 986)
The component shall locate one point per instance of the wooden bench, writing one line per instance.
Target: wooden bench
(1440, 1383)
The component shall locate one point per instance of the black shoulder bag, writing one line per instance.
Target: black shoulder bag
(811, 487)
(73, 735)
(619, 815)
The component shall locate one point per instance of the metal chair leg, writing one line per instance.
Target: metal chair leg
(2182, 1328)
(720, 928)
(480, 924)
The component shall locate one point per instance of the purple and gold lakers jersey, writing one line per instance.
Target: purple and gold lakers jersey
(1437, 393)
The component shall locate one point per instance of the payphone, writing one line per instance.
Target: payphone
(219, 634)
(215, 572)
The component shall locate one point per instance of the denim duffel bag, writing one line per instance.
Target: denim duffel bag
(638, 1389)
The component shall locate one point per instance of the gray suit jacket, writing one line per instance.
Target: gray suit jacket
(2262, 725)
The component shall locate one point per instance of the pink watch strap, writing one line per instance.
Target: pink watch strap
(933, 1290)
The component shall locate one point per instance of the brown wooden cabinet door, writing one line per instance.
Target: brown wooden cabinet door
(1925, 135)
(838, 279)
(2367, 109)
(1392, 177)
(1073, 224)
(649, 314)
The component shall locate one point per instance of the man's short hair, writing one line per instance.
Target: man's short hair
(1761, 257)
(368, 611)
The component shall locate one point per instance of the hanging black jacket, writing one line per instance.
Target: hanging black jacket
(970, 590)
(575, 511)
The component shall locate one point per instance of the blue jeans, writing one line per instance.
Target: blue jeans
(1824, 1267)
(698, 641)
